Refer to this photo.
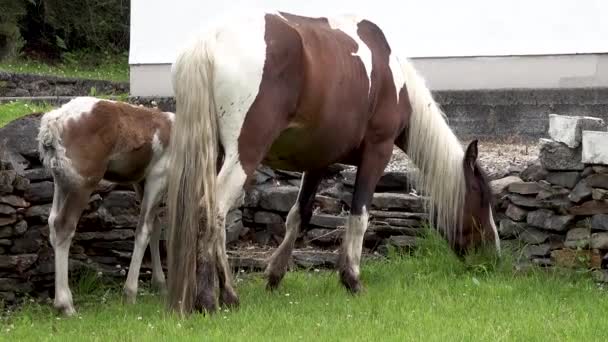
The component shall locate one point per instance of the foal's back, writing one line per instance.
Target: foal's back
(104, 139)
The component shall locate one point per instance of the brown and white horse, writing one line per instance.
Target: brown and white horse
(87, 140)
(300, 93)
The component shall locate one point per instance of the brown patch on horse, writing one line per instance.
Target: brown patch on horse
(119, 135)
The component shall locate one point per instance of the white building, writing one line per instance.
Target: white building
(466, 44)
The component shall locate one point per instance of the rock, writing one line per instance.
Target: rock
(234, 226)
(543, 262)
(20, 135)
(599, 168)
(534, 172)
(316, 259)
(595, 147)
(599, 222)
(120, 209)
(6, 242)
(570, 129)
(536, 250)
(599, 180)
(599, 194)
(7, 210)
(403, 202)
(380, 214)
(555, 156)
(499, 185)
(328, 221)
(20, 263)
(590, 208)
(546, 219)
(40, 192)
(533, 236)
(14, 201)
(6, 220)
(265, 217)
(587, 172)
(20, 228)
(600, 276)
(509, 229)
(578, 238)
(21, 184)
(37, 175)
(39, 213)
(323, 235)
(599, 240)
(565, 179)
(15, 285)
(328, 204)
(278, 198)
(402, 242)
(262, 237)
(516, 213)
(111, 235)
(524, 201)
(571, 258)
(29, 243)
(7, 178)
(412, 223)
(525, 188)
(582, 191)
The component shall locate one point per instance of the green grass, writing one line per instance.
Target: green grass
(79, 65)
(16, 109)
(427, 297)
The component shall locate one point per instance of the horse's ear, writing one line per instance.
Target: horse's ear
(470, 157)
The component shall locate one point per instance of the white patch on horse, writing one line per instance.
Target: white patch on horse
(353, 240)
(157, 145)
(497, 238)
(398, 77)
(170, 116)
(348, 25)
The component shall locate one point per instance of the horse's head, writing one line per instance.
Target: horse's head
(478, 226)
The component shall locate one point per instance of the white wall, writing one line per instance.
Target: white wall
(415, 28)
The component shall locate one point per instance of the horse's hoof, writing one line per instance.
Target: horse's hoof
(350, 281)
(205, 303)
(160, 287)
(129, 296)
(230, 299)
(66, 310)
(274, 280)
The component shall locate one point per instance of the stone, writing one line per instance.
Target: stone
(404, 202)
(14, 201)
(546, 219)
(20, 228)
(278, 198)
(8, 219)
(15, 285)
(412, 223)
(543, 262)
(500, 185)
(402, 242)
(599, 168)
(328, 204)
(556, 156)
(516, 213)
(578, 238)
(29, 243)
(21, 184)
(385, 214)
(20, 263)
(265, 217)
(601, 276)
(39, 213)
(316, 259)
(599, 222)
(571, 258)
(565, 179)
(570, 130)
(41, 192)
(328, 221)
(111, 235)
(587, 172)
(120, 209)
(6, 242)
(509, 229)
(595, 148)
(525, 188)
(599, 240)
(599, 180)
(20, 135)
(525, 201)
(599, 194)
(533, 236)
(324, 235)
(536, 250)
(7, 178)
(590, 208)
(37, 175)
(534, 172)
(582, 191)
(7, 210)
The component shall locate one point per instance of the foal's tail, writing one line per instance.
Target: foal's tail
(192, 176)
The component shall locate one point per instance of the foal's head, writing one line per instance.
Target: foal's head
(478, 226)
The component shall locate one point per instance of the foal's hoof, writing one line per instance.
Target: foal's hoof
(66, 310)
(205, 303)
(274, 280)
(350, 281)
(129, 296)
(229, 299)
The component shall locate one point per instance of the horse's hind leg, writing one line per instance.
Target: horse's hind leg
(299, 215)
(152, 193)
(370, 169)
(69, 200)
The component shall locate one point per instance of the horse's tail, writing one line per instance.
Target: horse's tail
(192, 176)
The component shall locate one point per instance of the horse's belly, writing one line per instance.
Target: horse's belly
(128, 167)
(302, 150)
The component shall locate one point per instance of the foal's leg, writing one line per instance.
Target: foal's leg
(152, 193)
(373, 160)
(69, 200)
(299, 215)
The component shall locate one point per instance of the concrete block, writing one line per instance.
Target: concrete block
(595, 148)
(567, 129)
